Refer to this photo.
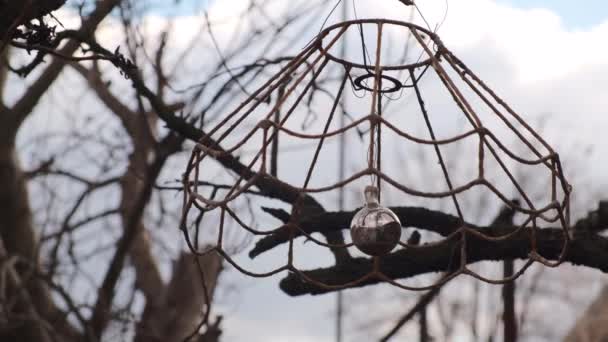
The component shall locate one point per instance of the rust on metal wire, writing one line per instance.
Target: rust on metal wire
(312, 62)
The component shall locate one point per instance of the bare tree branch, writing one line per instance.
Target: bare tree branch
(584, 249)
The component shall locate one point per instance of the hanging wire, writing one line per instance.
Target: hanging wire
(329, 15)
(331, 12)
(365, 52)
(445, 16)
(223, 59)
(422, 17)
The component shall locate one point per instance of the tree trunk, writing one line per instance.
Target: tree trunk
(18, 235)
(19, 239)
(509, 317)
(592, 327)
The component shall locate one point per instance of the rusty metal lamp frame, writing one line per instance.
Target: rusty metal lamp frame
(313, 60)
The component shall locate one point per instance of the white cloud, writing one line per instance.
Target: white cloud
(535, 41)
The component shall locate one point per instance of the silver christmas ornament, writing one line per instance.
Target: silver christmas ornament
(375, 229)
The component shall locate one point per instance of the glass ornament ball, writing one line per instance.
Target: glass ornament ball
(375, 229)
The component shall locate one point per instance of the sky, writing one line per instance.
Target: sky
(574, 14)
(532, 51)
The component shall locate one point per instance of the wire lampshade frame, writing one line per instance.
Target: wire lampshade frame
(376, 79)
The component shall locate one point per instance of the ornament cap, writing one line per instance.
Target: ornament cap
(372, 196)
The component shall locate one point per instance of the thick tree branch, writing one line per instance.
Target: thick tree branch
(585, 249)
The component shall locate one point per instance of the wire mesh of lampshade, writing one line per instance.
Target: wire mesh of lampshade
(375, 79)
